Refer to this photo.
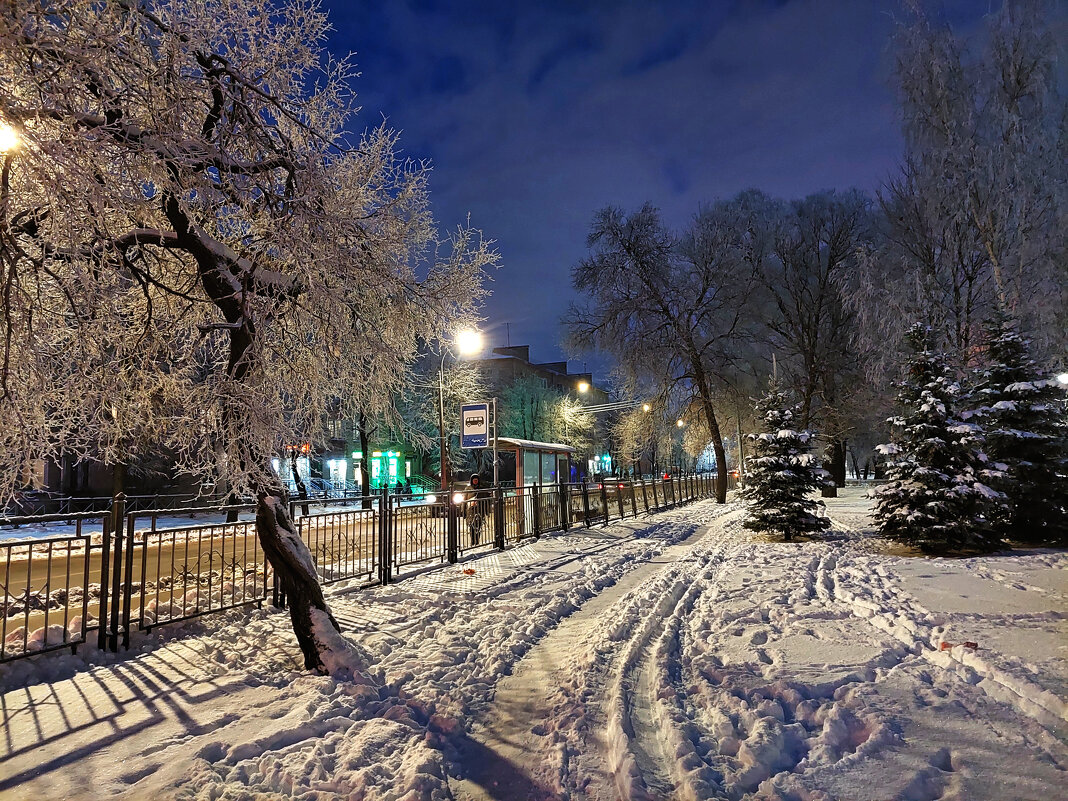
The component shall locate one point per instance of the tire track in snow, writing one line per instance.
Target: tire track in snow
(530, 731)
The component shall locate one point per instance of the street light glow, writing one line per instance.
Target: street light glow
(583, 386)
(9, 139)
(1062, 379)
(679, 423)
(646, 407)
(469, 342)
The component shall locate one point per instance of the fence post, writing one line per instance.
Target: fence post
(127, 584)
(633, 499)
(619, 500)
(105, 553)
(452, 530)
(118, 515)
(586, 503)
(565, 505)
(604, 500)
(498, 518)
(645, 498)
(385, 538)
(535, 500)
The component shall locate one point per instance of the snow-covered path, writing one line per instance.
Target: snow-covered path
(674, 656)
(510, 746)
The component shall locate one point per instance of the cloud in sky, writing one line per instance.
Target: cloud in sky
(534, 115)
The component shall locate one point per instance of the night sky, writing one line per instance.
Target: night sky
(535, 114)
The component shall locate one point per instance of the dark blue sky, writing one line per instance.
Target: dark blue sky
(535, 114)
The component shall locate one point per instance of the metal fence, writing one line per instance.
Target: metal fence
(112, 573)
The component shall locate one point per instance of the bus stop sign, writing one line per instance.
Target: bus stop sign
(474, 425)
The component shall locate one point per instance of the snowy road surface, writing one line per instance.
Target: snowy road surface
(675, 656)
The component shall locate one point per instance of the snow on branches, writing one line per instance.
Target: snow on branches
(196, 254)
(1023, 417)
(782, 473)
(938, 496)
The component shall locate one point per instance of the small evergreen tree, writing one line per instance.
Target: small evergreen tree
(936, 498)
(781, 473)
(1023, 417)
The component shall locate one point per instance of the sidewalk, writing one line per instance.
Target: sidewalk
(140, 721)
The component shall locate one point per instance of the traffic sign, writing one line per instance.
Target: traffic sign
(474, 425)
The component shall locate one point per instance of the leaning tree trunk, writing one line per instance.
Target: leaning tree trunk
(713, 429)
(292, 564)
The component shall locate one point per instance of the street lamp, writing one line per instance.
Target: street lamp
(583, 386)
(646, 408)
(468, 342)
(680, 423)
(9, 138)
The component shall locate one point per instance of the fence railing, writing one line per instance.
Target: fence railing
(107, 574)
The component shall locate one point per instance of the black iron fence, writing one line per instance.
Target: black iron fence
(100, 576)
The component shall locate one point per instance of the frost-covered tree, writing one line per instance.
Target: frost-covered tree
(531, 410)
(781, 472)
(1022, 414)
(937, 497)
(976, 219)
(194, 249)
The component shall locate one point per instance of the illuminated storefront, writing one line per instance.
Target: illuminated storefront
(388, 468)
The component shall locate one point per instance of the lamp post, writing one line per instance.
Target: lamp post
(468, 343)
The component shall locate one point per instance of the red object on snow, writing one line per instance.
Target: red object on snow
(948, 645)
(469, 572)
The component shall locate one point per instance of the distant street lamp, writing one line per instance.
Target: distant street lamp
(680, 423)
(646, 408)
(468, 342)
(583, 386)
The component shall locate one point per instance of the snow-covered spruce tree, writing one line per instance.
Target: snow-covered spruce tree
(197, 253)
(781, 473)
(936, 498)
(1023, 419)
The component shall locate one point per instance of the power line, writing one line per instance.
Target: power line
(612, 407)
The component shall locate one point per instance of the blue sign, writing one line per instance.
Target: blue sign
(474, 425)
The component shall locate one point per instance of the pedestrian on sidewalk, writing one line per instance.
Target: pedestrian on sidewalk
(478, 507)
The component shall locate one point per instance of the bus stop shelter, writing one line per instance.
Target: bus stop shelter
(538, 463)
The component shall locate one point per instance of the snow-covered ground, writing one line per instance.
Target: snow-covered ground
(674, 656)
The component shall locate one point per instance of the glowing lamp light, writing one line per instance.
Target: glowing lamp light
(646, 408)
(679, 423)
(583, 386)
(431, 498)
(469, 342)
(458, 497)
(9, 138)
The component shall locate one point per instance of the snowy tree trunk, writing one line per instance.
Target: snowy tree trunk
(713, 429)
(292, 563)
